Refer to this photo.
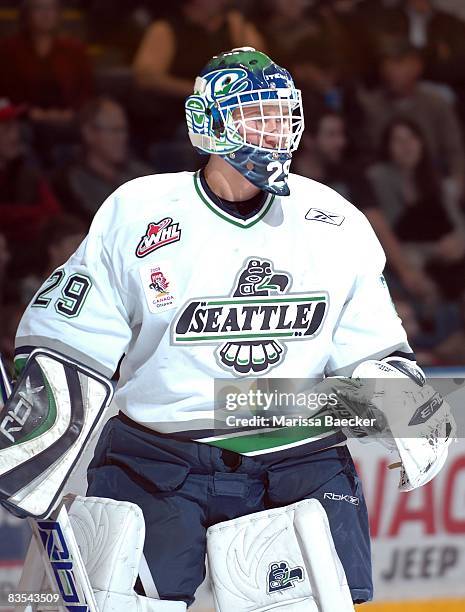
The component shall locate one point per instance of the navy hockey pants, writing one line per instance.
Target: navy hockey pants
(183, 487)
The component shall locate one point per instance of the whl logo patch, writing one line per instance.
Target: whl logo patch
(158, 235)
(281, 577)
(252, 323)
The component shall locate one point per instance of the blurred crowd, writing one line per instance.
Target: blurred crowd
(92, 95)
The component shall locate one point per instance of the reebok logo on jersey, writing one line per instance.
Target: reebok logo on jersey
(158, 235)
(316, 214)
(350, 499)
(252, 323)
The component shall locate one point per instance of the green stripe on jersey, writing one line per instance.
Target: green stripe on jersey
(268, 440)
(244, 223)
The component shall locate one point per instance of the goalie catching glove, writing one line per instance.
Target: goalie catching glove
(404, 412)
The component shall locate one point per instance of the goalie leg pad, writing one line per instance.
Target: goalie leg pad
(281, 559)
(110, 535)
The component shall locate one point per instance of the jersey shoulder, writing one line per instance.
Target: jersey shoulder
(323, 207)
(140, 198)
(152, 190)
(312, 195)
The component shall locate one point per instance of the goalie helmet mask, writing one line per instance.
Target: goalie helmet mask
(246, 109)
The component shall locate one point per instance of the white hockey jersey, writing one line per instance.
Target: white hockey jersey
(190, 293)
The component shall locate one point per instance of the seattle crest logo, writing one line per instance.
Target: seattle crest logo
(251, 325)
(282, 577)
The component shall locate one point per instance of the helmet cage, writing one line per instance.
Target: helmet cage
(227, 123)
(278, 115)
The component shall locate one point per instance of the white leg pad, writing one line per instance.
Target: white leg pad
(117, 602)
(110, 535)
(277, 560)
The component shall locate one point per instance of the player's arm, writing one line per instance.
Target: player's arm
(68, 344)
(80, 310)
(370, 343)
(154, 59)
(369, 326)
(79, 322)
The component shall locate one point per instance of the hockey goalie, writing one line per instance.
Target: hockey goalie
(241, 270)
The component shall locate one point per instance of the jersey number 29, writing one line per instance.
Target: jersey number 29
(73, 294)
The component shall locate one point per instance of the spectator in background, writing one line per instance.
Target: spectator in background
(10, 316)
(114, 30)
(58, 240)
(437, 336)
(173, 49)
(318, 70)
(284, 24)
(417, 206)
(324, 156)
(49, 72)
(105, 162)
(345, 27)
(26, 200)
(439, 35)
(411, 323)
(5, 257)
(401, 68)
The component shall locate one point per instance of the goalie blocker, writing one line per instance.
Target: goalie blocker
(44, 427)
